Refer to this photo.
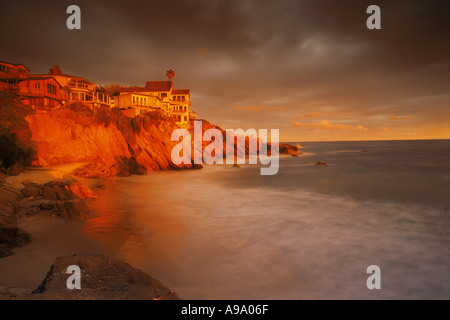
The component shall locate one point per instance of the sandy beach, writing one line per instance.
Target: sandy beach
(50, 236)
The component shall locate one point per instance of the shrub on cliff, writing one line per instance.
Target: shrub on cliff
(13, 152)
(103, 115)
(81, 109)
(16, 146)
(157, 115)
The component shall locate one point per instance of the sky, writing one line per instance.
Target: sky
(311, 69)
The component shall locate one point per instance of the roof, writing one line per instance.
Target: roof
(180, 91)
(60, 75)
(156, 86)
(15, 64)
(74, 77)
(133, 89)
(42, 77)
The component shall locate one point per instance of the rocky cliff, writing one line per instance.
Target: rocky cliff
(118, 147)
(114, 146)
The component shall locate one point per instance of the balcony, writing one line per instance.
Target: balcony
(78, 85)
(40, 92)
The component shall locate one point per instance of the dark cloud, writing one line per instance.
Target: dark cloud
(305, 56)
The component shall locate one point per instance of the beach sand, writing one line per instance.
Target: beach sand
(50, 236)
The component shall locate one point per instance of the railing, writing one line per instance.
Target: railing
(79, 85)
(39, 91)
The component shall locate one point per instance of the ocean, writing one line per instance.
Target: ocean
(308, 232)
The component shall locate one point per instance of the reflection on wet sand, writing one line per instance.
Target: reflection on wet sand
(135, 232)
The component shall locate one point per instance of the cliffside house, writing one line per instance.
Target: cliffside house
(56, 89)
(156, 95)
(41, 91)
(78, 89)
(11, 74)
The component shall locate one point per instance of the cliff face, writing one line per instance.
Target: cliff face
(121, 147)
(111, 146)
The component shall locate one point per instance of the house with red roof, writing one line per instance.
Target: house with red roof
(41, 91)
(56, 89)
(157, 95)
(11, 74)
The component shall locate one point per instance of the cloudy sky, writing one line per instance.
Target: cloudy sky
(309, 68)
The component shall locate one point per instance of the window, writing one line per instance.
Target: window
(51, 89)
(163, 95)
(74, 96)
(134, 100)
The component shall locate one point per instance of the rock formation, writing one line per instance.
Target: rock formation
(60, 198)
(10, 235)
(118, 146)
(125, 146)
(102, 278)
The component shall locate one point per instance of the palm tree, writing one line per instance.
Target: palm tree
(170, 74)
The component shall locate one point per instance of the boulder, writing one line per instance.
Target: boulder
(30, 190)
(46, 206)
(102, 278)
(82, 191)
(66, 194)
(75, 210)
(10, 235)
(14, 170)
(288, 149)
(56, 190)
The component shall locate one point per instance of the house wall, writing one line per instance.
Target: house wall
(123, 101)
(130, 112)
(11, 71)
(41, 92)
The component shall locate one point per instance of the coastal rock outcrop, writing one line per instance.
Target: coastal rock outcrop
(102, 277)
(10, 235)
(121, 147)
(118, 147)
(65, 199)
(284, 148)
(289, 149)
